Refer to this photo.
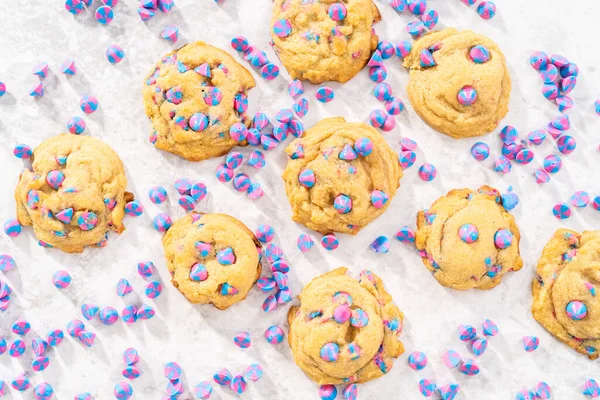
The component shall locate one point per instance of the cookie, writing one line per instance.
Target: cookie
(340, 176)
(193, 96)
(345, 330)
(73, 194)
(566, 293)
(458, 82)
(324, 41)
(212, 258)
(468, 239)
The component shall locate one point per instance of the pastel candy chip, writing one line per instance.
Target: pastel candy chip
(282, 28)
(503, 165)
(580, 199)
(21, 383)
(145, 269)
(337, 11)
(426, 59)
(386, 49)
(330, 352)
(479, 346)
(407, 159)
(564, 102)
(104, 15)
(525, 394)
(87, 221)
(222, 377)
(170, 33)
(524, 156)
(382, 91)
(427, 388)
(408, 144)
(40, 363)
(12, 228)
(295, 88)
(203, 390)
(469, 367)
(417, 360)
(550, 90)
(480, 151)
(466, 332)
(330, 242)
(591, 388)
(172, 371)
(37, 90)
(451, 359)
(226, 256)
(198, 122)
(541, 176)
(539, 60)
(274, 335)
(417, 7)
(448, 392)
(503, 238)
(467, 96)
(430, 18)
(134, 208)
(405, 234)
(238, 384)
(363, 146)
(307, 178)
(74, 6)
(350, 392)
(377, 118)
(108, 315)
(257, 159)
(242, 340)
(568, 84)
(561, 211)
(123, 391)
(537, 137)
(530, 343)
(88, 104)
(89, 311)
(566, 144)
(228, 290)
(165, 5)
(342, 204)
(22, 151)
(198, 272)
(123, 287)
(76, 125)
(21, 327)
(144, 13)
(324, 94)
(17, 348)
(61, 279)
(378, 198)
(359, 318)
(427, 172)
(380, 245)
(486, 9)
(403, 48)
(2, 89)
(549, 73)
(304, 242)
(576, 310)
(490, 328)
(479, 54)
(509, 134)
(394, 106)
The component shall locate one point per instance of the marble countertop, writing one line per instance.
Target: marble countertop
(200, 338)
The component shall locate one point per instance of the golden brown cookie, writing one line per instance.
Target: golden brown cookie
(441, 65)
(74, 193)
(468, 239)
(212, 258)
(340, 176)
(566, 293)
(324, 40)
(345, 330)
(193, 96)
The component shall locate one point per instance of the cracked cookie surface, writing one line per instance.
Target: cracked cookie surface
(340, 176)
(74, 194)
(212, 258)
(434, 90)
(345, 330)
(319, 48)
(566, 293)
(193, 96)
(468, 239)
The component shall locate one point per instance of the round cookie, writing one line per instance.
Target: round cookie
(468, 239)
(323, 41)
(451, 69)
(340, 176)
(193, 96)
(212, 258)
(74, 193)
(566, 293)
(345, 330)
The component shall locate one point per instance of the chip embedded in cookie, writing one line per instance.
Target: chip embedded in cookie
(458, 82)
(193, 96)
(340, 176)
(73, 194)
(323, 41)
(212, 258)
(566, 293)
(345, 330)
(468, 239)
